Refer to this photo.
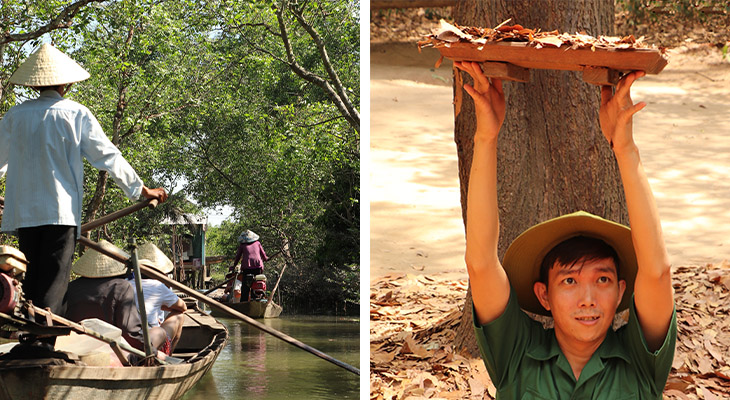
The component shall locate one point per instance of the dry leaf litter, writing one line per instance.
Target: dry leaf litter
(413, 321)
(447, 34)
(663, 29)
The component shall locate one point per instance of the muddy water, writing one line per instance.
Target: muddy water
(257, 366)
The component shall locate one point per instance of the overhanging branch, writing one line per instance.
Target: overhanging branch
(325, 60)
(63, 20)
(352, 119)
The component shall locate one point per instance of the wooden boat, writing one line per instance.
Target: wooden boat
(253, 309)
(202, 340)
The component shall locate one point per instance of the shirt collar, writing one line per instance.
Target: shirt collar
(544, 351)
(51, 93)
(610, 348)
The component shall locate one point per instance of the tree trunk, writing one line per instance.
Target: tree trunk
(103, 176)
(95, 203)
(553, 158)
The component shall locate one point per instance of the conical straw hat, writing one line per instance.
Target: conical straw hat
(96, 265)
(48, 66)
(151, 256)
(248, 237)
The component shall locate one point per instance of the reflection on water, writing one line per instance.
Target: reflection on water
(255, 365)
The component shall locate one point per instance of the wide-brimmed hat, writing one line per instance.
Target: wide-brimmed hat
(96, 265)
(151, 256)
(524, 256)
(248, 237)
(48, 66)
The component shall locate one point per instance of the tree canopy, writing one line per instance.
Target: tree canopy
(252, 105)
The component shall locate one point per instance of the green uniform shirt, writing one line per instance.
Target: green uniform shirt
(525, 361)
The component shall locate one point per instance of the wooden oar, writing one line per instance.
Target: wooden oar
(151, 203)
(271, 296)
(133, 260)
(151, 272)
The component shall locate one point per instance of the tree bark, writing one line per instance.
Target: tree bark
(552, 156)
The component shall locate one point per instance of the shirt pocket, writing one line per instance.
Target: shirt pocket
(534, 393)
(625, 396)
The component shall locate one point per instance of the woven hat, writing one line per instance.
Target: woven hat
(524, 256)
(96, 265)
(248, 237)
(48, 66)
(151, 256)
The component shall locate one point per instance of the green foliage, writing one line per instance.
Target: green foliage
(207, 94)
(23, 23)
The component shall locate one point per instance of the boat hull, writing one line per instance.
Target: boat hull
(22, 380)
(253, 309)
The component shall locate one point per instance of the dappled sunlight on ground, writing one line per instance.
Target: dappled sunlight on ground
(415, 210)
(416, 223)
(684, 138)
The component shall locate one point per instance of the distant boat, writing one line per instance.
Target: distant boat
(202, 340)
(253, 309)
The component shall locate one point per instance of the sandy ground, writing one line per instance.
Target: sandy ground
(415, 212)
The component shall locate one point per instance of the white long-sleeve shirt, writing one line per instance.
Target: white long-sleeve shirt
(42, 146)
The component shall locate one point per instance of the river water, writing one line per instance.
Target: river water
(257, 366)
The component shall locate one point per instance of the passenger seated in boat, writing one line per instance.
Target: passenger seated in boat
(164, 309)
(103, 292)
(237, 291)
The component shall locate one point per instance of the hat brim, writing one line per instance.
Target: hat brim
(524, 256)
(151, 256)
(248, 237)
(96, 265)
(48, 66)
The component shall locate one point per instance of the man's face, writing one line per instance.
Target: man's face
(583, 300)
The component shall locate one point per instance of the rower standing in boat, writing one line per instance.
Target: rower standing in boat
(42, 146)
(164, 308)
(252, 256)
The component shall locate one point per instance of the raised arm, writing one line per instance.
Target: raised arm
(489, 283)
(653, 294)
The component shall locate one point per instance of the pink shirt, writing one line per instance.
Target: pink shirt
(252, 255)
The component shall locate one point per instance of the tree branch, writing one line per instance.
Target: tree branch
(319, 123)
(266, 26)
(354, 120)
(325, 59)
(62, 21)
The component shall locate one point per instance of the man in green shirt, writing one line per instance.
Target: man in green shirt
(580, 269)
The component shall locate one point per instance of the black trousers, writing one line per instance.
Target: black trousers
(49, 250)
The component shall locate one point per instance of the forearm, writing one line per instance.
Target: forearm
(177, 307)
(646, 230)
